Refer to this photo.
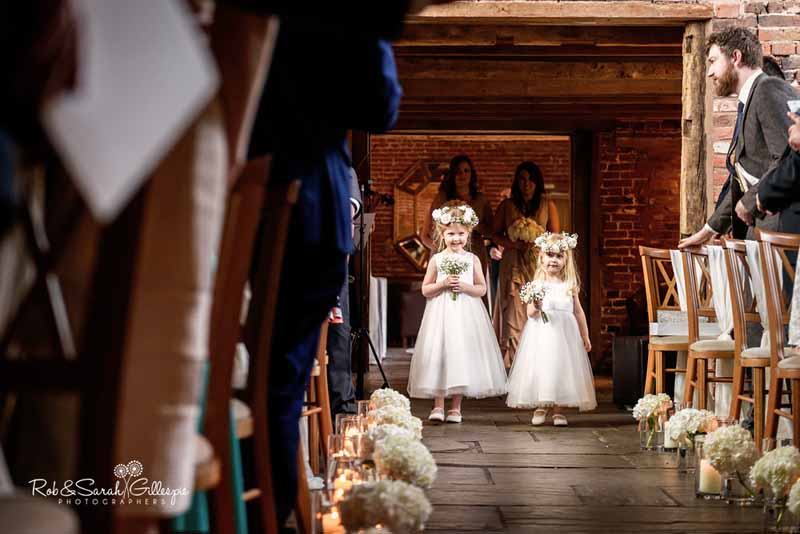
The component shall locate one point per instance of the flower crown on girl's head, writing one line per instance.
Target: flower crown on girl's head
(555, 243)
(450, 214)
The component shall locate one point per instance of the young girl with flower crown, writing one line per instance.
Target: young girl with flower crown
(456, 353)
(551, 367)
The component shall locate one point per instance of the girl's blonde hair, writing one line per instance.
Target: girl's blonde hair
(570, 272)
(458, 215)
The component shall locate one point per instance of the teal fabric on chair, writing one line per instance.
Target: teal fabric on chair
(196, 519)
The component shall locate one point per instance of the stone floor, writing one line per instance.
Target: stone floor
(497, 473)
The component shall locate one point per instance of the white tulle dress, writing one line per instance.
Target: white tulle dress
(456, 351)
(551, 367)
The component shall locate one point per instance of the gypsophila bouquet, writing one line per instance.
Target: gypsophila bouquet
(535, 290)
(687, 423)
(453, 266)
(393, 415)
(776, 470)
(388, 397)
(731, 450)
(405, 458)
(395, 504)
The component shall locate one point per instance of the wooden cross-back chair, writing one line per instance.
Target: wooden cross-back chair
(778, 256)
(91, 366)
(662, 295)
(699, 303)
(745, 311)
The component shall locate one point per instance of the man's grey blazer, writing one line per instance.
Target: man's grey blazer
(762, 141)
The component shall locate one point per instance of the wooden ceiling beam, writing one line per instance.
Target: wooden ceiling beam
(472, 69)
(611, 13)
(455, 35)
(550, 87)
(543, 53)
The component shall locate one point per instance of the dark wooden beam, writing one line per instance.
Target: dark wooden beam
(543, 52)
(589, 13)
(471, 34)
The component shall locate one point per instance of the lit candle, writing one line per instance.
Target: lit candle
(342, 483)
(332, 523)
(669, 443)
(710, 479)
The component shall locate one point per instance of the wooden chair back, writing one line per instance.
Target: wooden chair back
(778, 256)
(659, 282)
(699, 291)
(743, 297)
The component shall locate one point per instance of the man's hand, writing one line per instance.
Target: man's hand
(704, 235)
(496, 253)
(743, 214)
(794, 131)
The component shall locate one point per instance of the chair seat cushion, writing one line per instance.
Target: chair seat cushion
(755, 352)
(712, 345)
(241, 410)
(669, 340)
(24, 514)
(790, 363)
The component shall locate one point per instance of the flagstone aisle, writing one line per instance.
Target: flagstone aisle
(497, 473)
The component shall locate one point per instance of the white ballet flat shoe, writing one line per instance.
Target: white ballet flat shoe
(559, 420)
(453, 416)
(538, 417)
(437, 414)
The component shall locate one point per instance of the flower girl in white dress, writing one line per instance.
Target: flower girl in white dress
(456, 353)
(551, 367)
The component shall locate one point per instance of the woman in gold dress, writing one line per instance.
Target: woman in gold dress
(528, 199)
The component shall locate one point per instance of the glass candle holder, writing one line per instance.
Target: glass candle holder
(651, 434)
(707, 480)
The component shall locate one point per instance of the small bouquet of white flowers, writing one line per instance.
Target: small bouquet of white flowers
(534, 291)
(393, 415)
(776, 470)
(453, 266)
(793, 504)
(395, 504)
(689, 422)
(380, 432)
(405, 458)
(388, 397)
(731, 450)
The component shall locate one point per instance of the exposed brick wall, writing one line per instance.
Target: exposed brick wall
(639, 175)
(777, 24)
(495, 158)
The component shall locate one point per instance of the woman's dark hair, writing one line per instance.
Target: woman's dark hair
(532, 206)
(449, 183)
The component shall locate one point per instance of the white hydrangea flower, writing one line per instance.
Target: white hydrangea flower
(689, 422)
(794, 499)
(381, 432)
(396, 505)
(650, 405)
(776, 470)
(405, 458)
(393, 415)
(730, 449)
(388, 397)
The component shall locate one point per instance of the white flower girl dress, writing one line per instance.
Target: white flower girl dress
(551, 367)
(456, 351)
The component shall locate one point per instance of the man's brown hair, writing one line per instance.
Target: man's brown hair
(740, 39)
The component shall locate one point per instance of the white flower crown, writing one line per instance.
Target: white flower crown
(564, 243)
(448, 215)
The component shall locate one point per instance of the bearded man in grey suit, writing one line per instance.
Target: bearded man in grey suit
(760, 135)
